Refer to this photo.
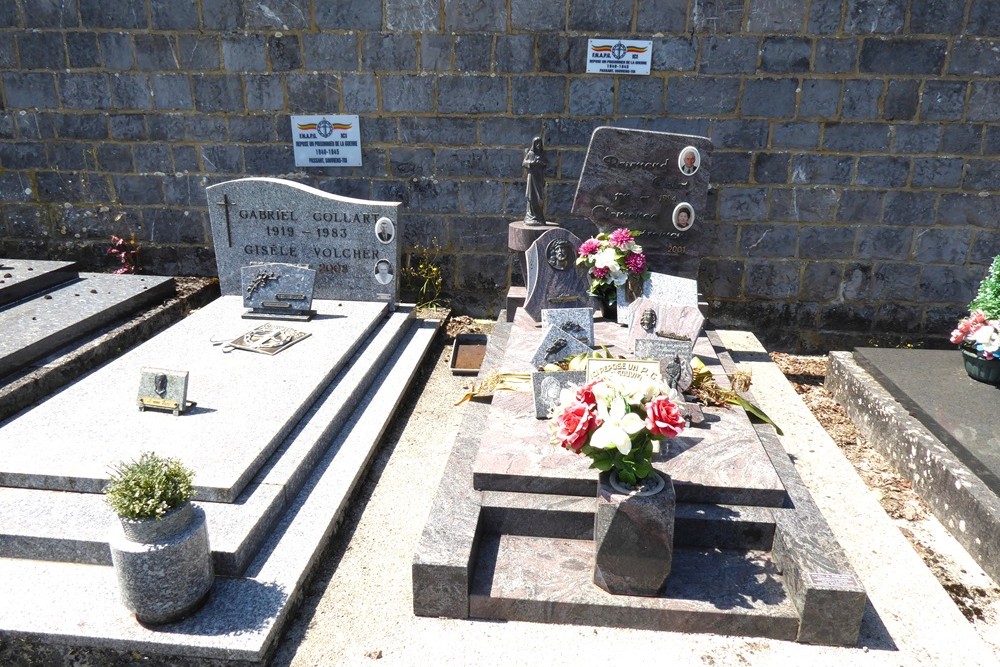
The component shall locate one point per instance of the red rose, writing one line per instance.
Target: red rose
(663, 417)
(574, 425)
(585, 394)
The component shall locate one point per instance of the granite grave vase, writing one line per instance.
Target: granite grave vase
(164, 566)
(983, 370)
(634, 535)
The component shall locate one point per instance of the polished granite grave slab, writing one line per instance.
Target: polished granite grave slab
(519, 546)
(20, 278)
(246, 403)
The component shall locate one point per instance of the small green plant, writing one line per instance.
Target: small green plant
(425, 278)
(988, 298)
(148, 488)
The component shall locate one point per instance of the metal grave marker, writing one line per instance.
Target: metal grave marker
(278, 291)
(352, 244)
(162, 389)
(577, 322)
(556, 345)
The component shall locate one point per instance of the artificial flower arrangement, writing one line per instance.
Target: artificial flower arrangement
(980, 331)
(613, 259)
(617, 422)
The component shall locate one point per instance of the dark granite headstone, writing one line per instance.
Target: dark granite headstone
(639, 179)
(555, 279)
(352, 244)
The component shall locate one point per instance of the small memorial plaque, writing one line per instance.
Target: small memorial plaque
(352, 244)
(268, 338)
(163, 389)
(627, 368)
(556, 346)
(278, 291)
(547, 386)
(578, 322)
(619, 56)
(662, 348)
(651, 319)
(326, 141)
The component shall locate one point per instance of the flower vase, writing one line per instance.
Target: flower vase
(980, 369)
(609, 309)
(634, 535)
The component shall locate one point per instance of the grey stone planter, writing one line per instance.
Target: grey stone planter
(633, 538)
(164, 566)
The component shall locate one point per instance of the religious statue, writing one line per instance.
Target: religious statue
(534, 162)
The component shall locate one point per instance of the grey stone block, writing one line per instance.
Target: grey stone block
(223, 159)
(916, 138)
(748, 134)
(407, 92)
(509, 131)
(114, 157)
(330, 51)
(39, 50)
(721, 277)
(771, 168)
(980, 176)
(196, 127)
(717, 16)
(984, 101)
(217, 92)
(862, 137)
(836, 55)
(728, 55)
(973, 57)
(942, 246)
(264, 92)
(640, 95)
(529, 15)
(251, 129)
(961, 138)
(97, 14)
(885, 243)
(592, 96)
(969, 209)
(820, 97)
(127, 127)
(733, 168)
(821, 281)
(471, 94)
(800, 204)
(389, 52)
(222, 14)
(198, 52)
(937, 172)
(795, 135)
(943, 100)
(902, 56)
(171, 91)
(772, 279)
(782, 55)
(349, 15)
(514, 53)
(816, 169)
(947, 284)
(286, 15)
(909, 208)
(116, 50)
(885, 172)
(473, 53)
(538, 94)
(562, 55)
(243, 52)
(481, 197)
(985, 247)
(769, 240)
(983, 19)
(81, 126)
(166, 15)
(614, 16)
(443, 131)
(406, 15)
(865, 16)
(132, 189)
(901, 100)
(677, 54)
(312, 92)
(936, 17)
(152, 157)
(775, 16)
(826, 242)
(26, 90)
(154, 53)
(285, 52)
(703, 95)
(435, 52)
(131, 91)
(662, 16)
(861, 97)
(26, 155)
(743, 204)
(824, 17)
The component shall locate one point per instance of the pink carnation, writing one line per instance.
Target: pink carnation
(620, 237)
(589, 247)
(600, 272)
(663, 417)
(635, 262)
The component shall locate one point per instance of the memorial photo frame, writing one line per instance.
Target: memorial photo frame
(683, 216)
(689, 160)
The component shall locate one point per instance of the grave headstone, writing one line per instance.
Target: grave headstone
(578, 322)
(655, 182)
(163, 389)
(278, 291)
(352, 244)
(556, 345)
(547, 386)
(652, 319)
(554, 278)
(662, 288)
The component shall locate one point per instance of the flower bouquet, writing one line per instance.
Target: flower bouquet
(613, 259)
(616, 421)
(979, 333)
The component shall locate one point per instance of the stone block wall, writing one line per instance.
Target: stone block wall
(853, 175)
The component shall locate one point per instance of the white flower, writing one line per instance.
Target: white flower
(619, 425)
(607, 258)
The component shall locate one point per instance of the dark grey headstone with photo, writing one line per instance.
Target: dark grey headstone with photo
(352, 244)
(656, 182)
(555, 279)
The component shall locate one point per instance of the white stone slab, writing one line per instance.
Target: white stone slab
(246, 403)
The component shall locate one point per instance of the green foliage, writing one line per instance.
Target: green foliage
(988, 298)
(148, 488)
(426, 278)
(632, 467)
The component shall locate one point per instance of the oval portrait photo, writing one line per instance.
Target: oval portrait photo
(385, 230)
(689, 160)
(683, 216)
(383, 272)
